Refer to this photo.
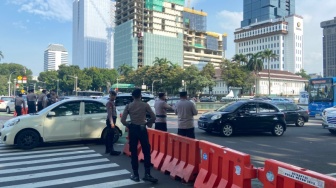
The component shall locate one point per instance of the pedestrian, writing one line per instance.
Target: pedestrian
(41, 100)
(31, 101)
(161, 108)
(19, 102)
(138, 132)
(52, 98)
(185, 110)
(110, 124)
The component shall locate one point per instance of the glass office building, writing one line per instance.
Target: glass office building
(262, 10)
(329, 47)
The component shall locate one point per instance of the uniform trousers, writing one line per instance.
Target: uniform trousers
(39, 106)
(18, 110)
(162, 126)
(31, 107)
(187, 132)
(110, 135)
(139, 133)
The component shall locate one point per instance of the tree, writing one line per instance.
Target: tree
(161, 61)
(233, 74)
(303, 74)
(125, 70)
(208, 72)
(240, 59)
(255, 64)
(268, 55)
(1, 55)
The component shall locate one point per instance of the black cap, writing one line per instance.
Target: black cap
(161, 95)
(183, 94)
(136, 93)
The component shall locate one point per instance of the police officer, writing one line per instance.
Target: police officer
(110, 124)
(41, 100)
(19, 101)
(138, 132)
(31, 101)
(161, 108)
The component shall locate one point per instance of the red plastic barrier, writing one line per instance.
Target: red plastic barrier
(158, 142)
(281, 175)
(223, 168)
(182, 159)
(23, 111)
(127, 151)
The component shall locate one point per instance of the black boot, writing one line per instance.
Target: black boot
(135, 178)
(115, 153)
(150, 178)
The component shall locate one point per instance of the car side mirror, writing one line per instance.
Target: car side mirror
(51, 114)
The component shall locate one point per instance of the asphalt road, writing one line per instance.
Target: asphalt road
(85, 164)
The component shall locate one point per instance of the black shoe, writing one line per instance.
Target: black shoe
(115, 153)
(135, 178)
(107, 151)
(150, 178)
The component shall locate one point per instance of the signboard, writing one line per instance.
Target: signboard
(19, 79)
(17, 85)
(24, 79)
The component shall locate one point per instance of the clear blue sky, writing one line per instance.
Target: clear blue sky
(29, 26)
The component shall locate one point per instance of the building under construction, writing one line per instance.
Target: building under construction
(146, 29)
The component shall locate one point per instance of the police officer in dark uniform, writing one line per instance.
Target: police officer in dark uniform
(31, 101)
(110, 124)
(138, 132)
(41, 100)
(19, 101)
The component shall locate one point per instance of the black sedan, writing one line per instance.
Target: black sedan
(294, 114)
(244, 116)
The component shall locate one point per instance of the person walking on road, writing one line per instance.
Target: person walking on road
(185, 110)
(161, 108)
(42, 100)
(19, 102)
(138, 132)
(110, 124)
(31, 101)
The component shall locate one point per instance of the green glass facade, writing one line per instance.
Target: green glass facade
(163, 47)
(125, 45)
(157, 5)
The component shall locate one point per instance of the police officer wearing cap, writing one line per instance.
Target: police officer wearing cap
(31, 101)
(161, 108)
(110, 124)
(138, 132)
(42, 100)
(19, 102)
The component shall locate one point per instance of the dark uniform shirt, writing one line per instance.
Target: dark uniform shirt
(137, 111)
(19, 101)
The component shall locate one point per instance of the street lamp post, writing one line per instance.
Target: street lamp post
(153, 85)
(118, 83)
(14, 87)
(75, 82)
(9, 83)
(185, 85)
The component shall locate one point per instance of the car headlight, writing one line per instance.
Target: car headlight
(14, 122)
(324, 113)
(217, 116)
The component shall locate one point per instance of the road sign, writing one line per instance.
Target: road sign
(24, 79)
(17, 85)
(19, 79)
(22, 90)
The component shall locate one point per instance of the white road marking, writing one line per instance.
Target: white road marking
(119, 183)
(43, 151)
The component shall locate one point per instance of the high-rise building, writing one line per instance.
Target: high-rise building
(262, 10)
(284, 36)
(201, 46)
(93, 23)
(54, 56)
(329, 47)
(146, 29)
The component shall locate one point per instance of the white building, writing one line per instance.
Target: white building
(93, 24)
(284, 36)
(54, 56)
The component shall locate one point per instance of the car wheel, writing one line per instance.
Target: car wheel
(300, 122)
(278, 130)
(28, 139)
(227, 130)
(116, 135)
(332, 131)
(8, 110)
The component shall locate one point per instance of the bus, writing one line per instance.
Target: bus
(321, 95)
(92, 94)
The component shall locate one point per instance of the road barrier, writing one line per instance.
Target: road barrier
(158, 142)
(223, 167)
(276, 174)
(23, 111)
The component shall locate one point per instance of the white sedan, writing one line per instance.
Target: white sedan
(329, 119)
(67, 120)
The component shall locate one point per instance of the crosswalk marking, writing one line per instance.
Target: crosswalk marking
(45, 155)
(70, 179)
(51, 166)
(17, 163)
(57, 172)
(44, 151)
(118, 183)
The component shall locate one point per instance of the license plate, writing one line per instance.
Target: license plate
(201, 124)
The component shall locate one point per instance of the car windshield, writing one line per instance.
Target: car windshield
(6, 98)
(229, 107)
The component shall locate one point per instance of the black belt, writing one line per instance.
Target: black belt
(161, 116)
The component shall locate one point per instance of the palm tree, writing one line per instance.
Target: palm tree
(268, 54)
(256, 65)
(161, 61)
(1, 55)
(125, 70)
(240, 59)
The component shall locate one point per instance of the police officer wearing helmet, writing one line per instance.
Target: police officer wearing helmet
(110, 124)
(138, 132)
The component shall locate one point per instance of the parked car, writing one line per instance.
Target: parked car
(66, 120)
(329, 119)
(244, 116)
(172, 102)
(294, 114)
(207, 99)
(4, 101)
